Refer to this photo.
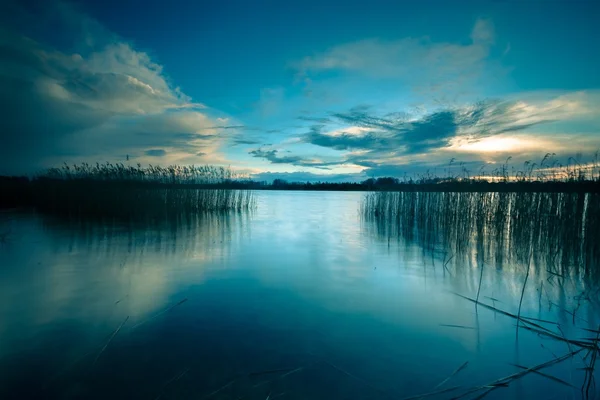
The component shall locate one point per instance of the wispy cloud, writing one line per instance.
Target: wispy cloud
(483, 131)
(417, 61)
(245, 141)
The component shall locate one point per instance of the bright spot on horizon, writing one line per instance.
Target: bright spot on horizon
(498, 145)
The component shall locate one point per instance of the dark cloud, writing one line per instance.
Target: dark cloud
(106, 100)
(397, 143)
(274, 157)
(386, 134)
(156, 153)
(397, 134)
(245, 141)
(34, 126)
(346, 141)
(271, 155)
(362, 116)
(433, 131)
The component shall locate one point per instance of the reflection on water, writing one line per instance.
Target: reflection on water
(302, 298)
(72, 270)
(557, 229)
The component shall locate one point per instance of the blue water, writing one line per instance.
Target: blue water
(302, 284)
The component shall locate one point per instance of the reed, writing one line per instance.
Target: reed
(556, 230)
(119, 191)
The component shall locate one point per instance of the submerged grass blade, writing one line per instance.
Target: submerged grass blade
(458, 326)
(158, 315)
(290, 372)
(456, 371)
(493, 299)
(225, 386)
(170, 381)
(434, 393)
(525, 281)
(269, 371)
(591, 330)
(553, 378)
(504, 382)
(578, 343)
(109, 340)
(356, 378)
(533, 326)
(539, 320)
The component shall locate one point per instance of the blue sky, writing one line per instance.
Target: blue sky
(299, 89)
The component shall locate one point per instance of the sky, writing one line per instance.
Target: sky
(299, 90)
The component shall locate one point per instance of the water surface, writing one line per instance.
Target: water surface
(205, 307)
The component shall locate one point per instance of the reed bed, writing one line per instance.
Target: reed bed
(116, 190)
(555, 229)
(556, 232)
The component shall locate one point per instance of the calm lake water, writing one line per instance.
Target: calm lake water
(300, 299)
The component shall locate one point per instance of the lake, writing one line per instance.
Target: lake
(301, 298)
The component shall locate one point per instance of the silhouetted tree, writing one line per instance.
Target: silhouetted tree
(387, 181)
(280, 182)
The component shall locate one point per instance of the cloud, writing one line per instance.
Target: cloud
(107, 99)
(274, 158)
(493, 117)
(89, 95)
(483, 32)
(271, 155)
(182, 134)
(402, 133)
(245, 141)
(416, 61)
(396, 135)
(523, 145)
(156, 153)
(481, 132)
